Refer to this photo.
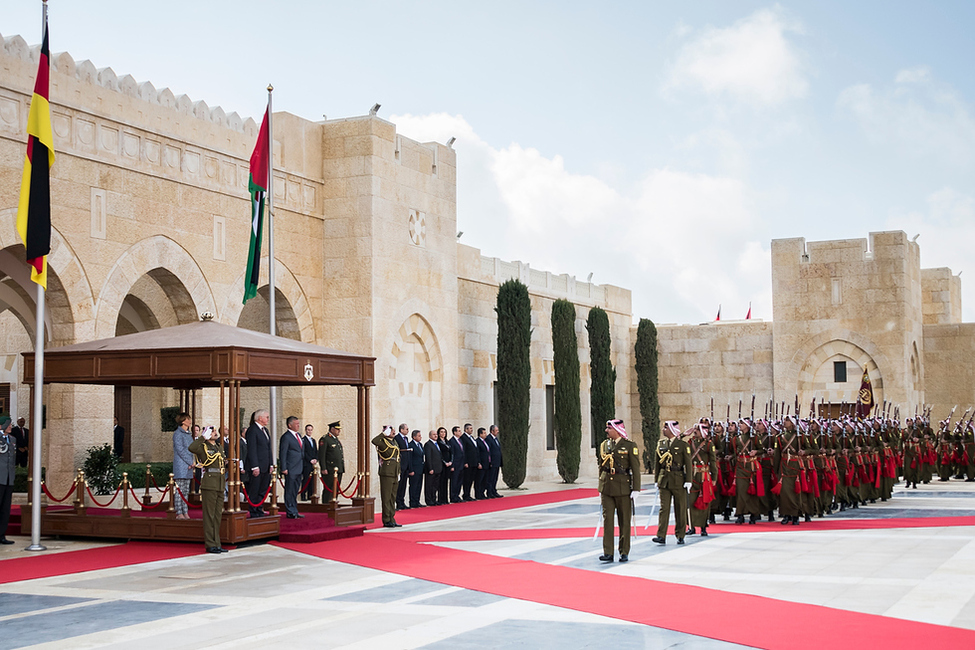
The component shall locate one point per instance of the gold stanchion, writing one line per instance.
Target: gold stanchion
(126, 511)
(79, 504)
(315, 480)
(274, 495)
(171, 511)
(147, 498)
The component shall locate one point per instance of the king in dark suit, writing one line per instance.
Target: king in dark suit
(258, 463)
(290, 458)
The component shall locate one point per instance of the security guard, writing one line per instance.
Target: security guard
(619, 481)
(388, 472)
(331, 460)
(673, 481)
(210, 460)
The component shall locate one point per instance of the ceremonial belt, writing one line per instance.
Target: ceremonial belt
(626, 471)
(214, 470)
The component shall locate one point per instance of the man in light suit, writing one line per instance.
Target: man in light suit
(258, 462)
(458, 463)
(290, 458)
(496, 462)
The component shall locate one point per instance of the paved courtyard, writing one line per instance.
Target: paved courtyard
(270, 595)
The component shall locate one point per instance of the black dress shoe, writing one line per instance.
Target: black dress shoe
(808, 519)
(691, 531)
(704, 532)
(658, 540)
(740, 519)
(786, 520)
(680, 541)
(223, 550)
(6, 541)
(213, 549)
(795, 521)
(752, 519)
(624, 558)
(605, 558)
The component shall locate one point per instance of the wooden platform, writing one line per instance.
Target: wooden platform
(235, 528)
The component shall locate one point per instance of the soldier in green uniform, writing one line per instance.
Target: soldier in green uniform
(388, 452)
(704, 469)
(619, 481)
(673, 481)
(331, 460)
(210, 460)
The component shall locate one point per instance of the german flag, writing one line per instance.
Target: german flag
(34, 210)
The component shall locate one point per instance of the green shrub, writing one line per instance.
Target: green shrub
(137, 473)
(602, 388)
(568, 409)
(514, 378)
(101, 469)
(646, 382)
(167, 418)
(20, 478)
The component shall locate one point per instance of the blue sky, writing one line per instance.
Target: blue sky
(660, 146)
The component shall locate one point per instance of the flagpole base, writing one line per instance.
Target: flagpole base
(36, 547)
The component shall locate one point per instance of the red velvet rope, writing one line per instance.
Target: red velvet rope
(52, 497)
(188, 504)
(144, 506)
(263, 499)
(103, 505)
(156, 485)
(345, 492)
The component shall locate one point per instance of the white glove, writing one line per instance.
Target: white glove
(687, 486)
(633, 493)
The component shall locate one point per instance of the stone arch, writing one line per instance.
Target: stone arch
(170, 265)
(414, 366)
(287, 285)
(69, 301)
(814, 380)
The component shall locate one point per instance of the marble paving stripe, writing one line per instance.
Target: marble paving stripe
(14, 604)
(98, 617)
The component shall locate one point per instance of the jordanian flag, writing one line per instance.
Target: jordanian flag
(257, 186)
(34, 209)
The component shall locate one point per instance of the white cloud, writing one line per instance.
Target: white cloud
(946, 227)
(917, 114)
(680, 241)
(751, 61)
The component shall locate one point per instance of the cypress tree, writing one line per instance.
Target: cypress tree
(568, 410)
(514, 377)
(602, 388)
(646, 383)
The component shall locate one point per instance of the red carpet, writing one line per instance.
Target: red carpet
(45, 565)
(694, 610)
(715, 529)
(436, 513)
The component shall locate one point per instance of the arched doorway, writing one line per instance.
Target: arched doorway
(832, 374)
(416, 375)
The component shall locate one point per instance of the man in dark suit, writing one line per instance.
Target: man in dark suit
(459, 462)
(443, 490)
(470, 454)
(118, 440)
(21, 435)
(309, 451)
(483, 465)
(290, 457)
(432, 470)
(416, 469)
(402, 440)
(496, 462)
(258, 462)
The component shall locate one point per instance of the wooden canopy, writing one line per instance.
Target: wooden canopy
(201, 355)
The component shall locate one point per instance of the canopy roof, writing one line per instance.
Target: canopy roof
(200, 355)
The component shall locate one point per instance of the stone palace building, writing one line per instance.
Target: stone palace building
(150, 229)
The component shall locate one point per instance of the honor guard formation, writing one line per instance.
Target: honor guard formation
(800, 468)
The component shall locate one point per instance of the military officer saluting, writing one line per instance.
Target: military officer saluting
(619, 481)
(210, 460)
(331, 460)
(388, 452)
(673, 481)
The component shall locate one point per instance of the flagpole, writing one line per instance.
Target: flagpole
(270, 257)
(37, 421)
